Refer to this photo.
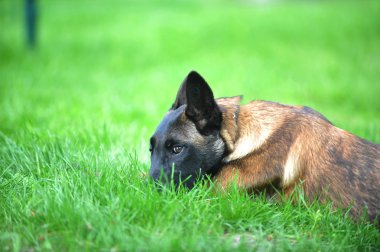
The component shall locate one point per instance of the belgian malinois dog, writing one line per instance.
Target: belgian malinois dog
(264, 143)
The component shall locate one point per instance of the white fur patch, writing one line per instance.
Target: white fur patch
(291, 169)
(246, 144)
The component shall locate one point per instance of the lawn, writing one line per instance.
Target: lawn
(76, 114)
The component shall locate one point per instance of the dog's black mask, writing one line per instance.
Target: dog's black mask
(187, 144)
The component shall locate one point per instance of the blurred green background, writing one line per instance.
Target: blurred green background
(118, 64)
(76, 113)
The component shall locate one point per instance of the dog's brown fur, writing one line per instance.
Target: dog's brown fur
(270, 143)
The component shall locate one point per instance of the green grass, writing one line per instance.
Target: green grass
(76, 115)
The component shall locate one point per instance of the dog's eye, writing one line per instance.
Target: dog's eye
(177, 149)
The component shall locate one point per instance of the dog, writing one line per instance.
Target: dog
(263, 144)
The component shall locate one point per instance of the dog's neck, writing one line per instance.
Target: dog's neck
(254, 131)
(245, 128)
(230, 108)
(250, 133)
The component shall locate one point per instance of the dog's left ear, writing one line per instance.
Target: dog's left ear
(201, 106)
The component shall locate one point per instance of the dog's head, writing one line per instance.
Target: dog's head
(187, 144)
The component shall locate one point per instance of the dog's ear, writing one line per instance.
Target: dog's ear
(201, 106)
